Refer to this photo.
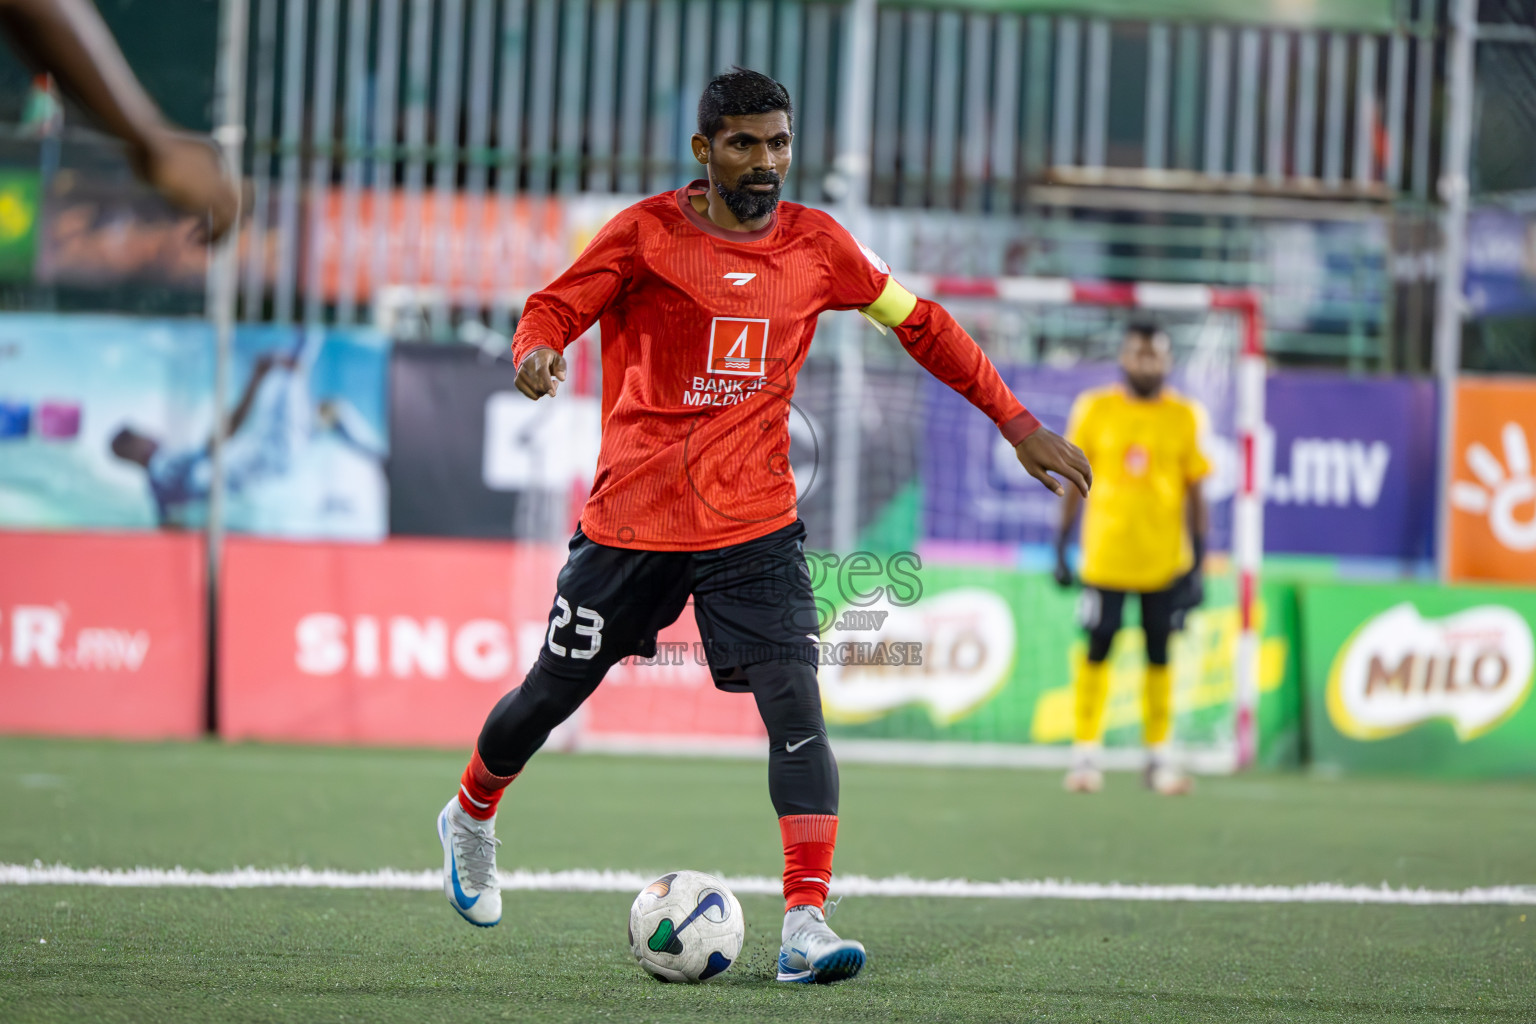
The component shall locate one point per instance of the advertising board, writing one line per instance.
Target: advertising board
(1492, 533)
(102, 635)
(105, 423)
(1420, 679)
(412, 642)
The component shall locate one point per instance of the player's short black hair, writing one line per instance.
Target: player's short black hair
(741, 91)
(1148, 329)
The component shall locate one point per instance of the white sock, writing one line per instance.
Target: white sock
(465, 818)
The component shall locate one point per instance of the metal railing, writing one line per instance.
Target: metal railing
(377, 121)
(972, 107)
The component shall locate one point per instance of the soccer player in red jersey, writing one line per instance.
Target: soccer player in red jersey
(708, 299)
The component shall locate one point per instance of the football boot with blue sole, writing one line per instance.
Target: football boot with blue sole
(469, 865)
(813, 953)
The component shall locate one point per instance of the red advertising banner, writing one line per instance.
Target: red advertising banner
(414, 640)
(102, 634)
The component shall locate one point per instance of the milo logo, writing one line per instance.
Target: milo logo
(1472, 668)
(957, 651)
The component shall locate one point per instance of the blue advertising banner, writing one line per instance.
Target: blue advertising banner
(975, 489)
(1501, 263)
(105, 423)
(1349, 470)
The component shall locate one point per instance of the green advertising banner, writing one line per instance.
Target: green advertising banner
(20, 204)
(1420, 678)
(997, 650)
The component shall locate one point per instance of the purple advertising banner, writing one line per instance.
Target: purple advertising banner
(975, 489)
(1349, 468)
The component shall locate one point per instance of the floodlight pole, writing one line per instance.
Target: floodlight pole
(851, 170)
(229, 132)
(1454, 188)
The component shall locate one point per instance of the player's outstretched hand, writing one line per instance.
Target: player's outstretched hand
(189, 171)
(1045, 452)
(541, 373)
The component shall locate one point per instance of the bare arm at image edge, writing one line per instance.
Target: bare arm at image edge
(68, 39)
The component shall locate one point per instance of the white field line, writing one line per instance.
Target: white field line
(848, 885)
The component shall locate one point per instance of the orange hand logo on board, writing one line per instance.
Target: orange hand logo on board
(1493, 485)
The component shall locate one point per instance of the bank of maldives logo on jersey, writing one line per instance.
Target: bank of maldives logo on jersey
(738, 346)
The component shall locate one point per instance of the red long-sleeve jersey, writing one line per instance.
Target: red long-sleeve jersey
(703, 331)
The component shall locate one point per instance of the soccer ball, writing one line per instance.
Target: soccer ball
(685, 926)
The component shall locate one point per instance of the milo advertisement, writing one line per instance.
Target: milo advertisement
(962, 654)
(1420, 679)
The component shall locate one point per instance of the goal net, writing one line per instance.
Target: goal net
(931, 478)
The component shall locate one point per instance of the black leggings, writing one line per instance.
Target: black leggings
(802, 773)
(1101, 612)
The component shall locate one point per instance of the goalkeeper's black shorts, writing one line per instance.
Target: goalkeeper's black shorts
(1101, 611)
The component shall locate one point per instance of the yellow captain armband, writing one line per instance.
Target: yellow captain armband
(893, 306)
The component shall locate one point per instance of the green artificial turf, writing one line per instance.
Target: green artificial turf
(257, 955)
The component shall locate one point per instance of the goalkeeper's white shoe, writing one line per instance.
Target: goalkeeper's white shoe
(812, 952)
(1166, 779)
(1083, 780)
(469, 865)
(1084, 775)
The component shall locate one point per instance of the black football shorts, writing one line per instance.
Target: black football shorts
(753, 603)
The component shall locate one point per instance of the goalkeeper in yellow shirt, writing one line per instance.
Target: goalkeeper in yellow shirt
(1143, 534)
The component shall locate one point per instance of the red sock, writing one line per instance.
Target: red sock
(480, 791)
(809, 840)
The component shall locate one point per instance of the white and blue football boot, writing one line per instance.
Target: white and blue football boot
(812, 952)
(469, 865)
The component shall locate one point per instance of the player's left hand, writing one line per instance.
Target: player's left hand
(1189, 591)
(1045, 452)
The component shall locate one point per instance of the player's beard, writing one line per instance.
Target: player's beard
(746, 204)
(1144, 385)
